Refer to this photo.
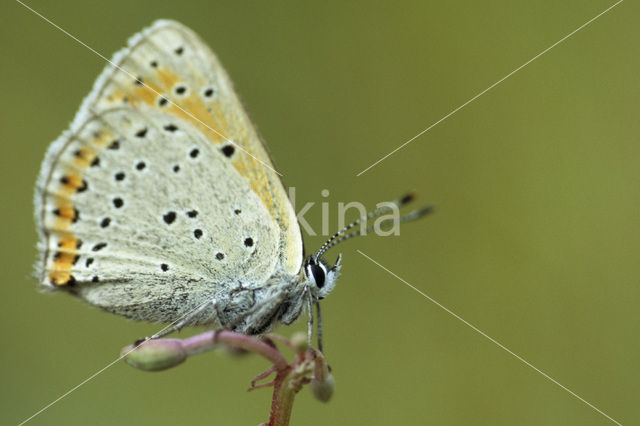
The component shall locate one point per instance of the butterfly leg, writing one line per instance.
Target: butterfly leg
(261, 318)
(310, 322)
(319, 329)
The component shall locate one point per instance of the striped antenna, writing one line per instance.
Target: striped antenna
(343, 234)
(416, 214)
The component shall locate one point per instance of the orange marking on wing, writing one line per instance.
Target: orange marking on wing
(117, 96)
(62, 223)
(167, 78)
(194, 110)
(63, 260)
(241, 168)
(66, 213)
(67, 190)
(75, 180)
(59, 278)
(136, 95)
(62, 201)
(68, 242)
(83, 157)
(71, 183)
(147, 93)
(102, 139)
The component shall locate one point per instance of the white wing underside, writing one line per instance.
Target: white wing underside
(141, 205)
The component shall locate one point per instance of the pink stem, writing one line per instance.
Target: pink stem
(203, 342)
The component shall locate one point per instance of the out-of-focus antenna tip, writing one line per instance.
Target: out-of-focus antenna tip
(408, 197)
(425, 210)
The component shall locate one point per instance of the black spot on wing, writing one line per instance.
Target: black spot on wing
(118, 202)
(228, 150)
(169, 217)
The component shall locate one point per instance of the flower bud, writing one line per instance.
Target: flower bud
(323, 389)
(155, 355)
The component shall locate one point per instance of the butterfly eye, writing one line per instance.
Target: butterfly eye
(318, 275)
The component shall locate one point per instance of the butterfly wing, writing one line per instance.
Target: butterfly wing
(175, 64)
(162, 184)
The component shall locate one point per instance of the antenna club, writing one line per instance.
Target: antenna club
(408, 197)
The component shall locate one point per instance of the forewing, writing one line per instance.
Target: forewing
(168, 68)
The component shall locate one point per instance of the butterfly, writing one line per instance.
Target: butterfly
(160, 203)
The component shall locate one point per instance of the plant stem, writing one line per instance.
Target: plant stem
(160, 354)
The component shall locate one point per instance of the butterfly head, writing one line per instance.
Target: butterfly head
(321, 278)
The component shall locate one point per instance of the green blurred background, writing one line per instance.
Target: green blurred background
(535, 240)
